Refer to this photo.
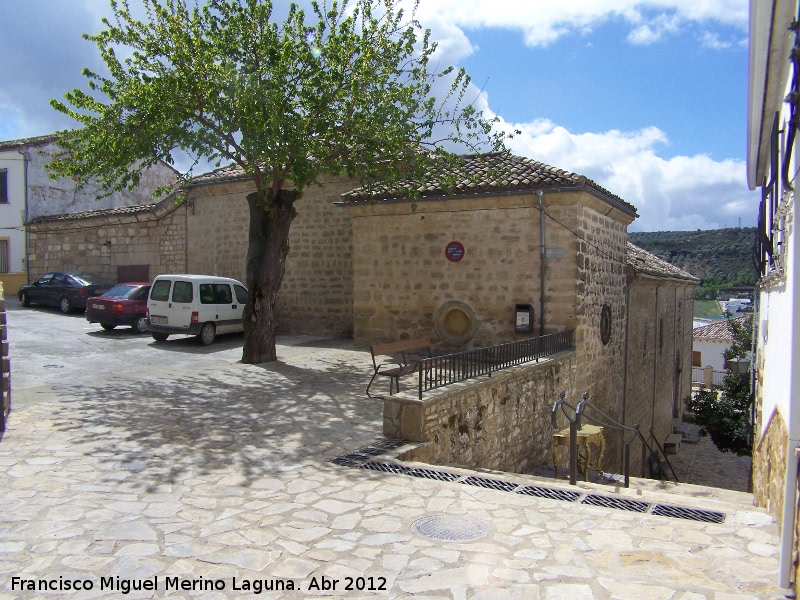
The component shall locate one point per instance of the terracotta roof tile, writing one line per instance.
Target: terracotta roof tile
(642, 261)
(717, 331)
(88, 214)
(31, 141)
(482, 174)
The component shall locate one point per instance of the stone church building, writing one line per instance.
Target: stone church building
(455, 263)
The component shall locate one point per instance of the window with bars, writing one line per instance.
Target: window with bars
(3, 186)
(4, 256)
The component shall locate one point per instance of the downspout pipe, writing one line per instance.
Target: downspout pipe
(25, 159)
(543, 248)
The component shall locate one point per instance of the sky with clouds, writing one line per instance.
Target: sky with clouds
(646, 98)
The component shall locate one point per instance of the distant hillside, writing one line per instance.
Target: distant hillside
(720, 258)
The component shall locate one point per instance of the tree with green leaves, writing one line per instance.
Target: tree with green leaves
(346, 89)
(724, 412)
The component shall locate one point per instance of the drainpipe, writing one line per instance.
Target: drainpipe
(541, 264)
(25, 159)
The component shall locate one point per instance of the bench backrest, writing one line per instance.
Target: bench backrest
(402, 346)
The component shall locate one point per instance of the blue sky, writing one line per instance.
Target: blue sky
(646, 98)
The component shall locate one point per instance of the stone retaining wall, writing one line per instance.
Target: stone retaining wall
(501, 422)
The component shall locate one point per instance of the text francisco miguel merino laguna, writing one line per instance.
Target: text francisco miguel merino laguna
(125, 586)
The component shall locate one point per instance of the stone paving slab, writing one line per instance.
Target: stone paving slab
(221, 478)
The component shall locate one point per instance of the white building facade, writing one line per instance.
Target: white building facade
(27, 192)
(773, 111)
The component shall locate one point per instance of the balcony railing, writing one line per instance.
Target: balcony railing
(448, 369)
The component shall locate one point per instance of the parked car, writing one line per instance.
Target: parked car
(67, 291)
(123, 305)
(201, 305)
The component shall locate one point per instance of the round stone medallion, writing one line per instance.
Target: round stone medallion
(455, 323)
(448, 528)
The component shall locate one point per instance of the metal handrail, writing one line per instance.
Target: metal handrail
(447, 369)
(575, 425)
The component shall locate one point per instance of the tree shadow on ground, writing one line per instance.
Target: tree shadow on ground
(258, 419)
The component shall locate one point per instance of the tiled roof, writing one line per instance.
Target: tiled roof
(642, 261)
(230, 173)
(482, 174)
(88, 214)
(717, 331)
(31, 141)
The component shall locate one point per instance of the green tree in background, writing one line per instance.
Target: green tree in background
(724, 412)
(346, 89)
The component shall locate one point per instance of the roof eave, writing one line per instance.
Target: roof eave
(770, 43)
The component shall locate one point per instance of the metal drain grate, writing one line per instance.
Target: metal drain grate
(492, 484)
(385, 467)
(450, 529)
(361, 458)
(431, 474)
(618, 503)
(693, 514)
(552, 493)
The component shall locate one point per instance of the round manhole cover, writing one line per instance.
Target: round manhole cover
(450, 529)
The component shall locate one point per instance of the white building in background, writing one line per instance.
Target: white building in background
(772, 121)
(709, 343)
(27, 192)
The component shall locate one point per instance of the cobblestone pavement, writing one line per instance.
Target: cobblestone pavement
(702, 464)
(220, 477)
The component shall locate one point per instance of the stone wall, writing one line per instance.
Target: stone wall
(317, 290)
(659, 352)
(501, 422)
(769, 464)
(105, 241)
(403, 279)
(601, 282)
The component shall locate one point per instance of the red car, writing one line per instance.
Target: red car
(124, 304)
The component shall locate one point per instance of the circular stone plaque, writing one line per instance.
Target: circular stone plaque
(450, 529)
(454, 323)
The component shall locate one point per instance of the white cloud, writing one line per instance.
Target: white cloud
(543, 21)
(678, 193)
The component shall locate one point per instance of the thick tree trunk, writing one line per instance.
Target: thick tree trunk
(268, 246)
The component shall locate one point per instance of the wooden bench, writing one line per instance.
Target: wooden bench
(401, 363)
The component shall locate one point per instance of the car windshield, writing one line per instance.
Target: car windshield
(120, 291)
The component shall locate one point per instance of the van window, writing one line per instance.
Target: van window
(241, 294)
(160, 290)
(182, 292)
(223, 293)
(207, 294)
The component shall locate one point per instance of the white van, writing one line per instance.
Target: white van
(200, 305)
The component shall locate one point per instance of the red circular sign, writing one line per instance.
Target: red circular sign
(454, 251)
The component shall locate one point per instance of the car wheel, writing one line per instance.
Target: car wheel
(24, 300)
(160, 337)
(141, 325)
(207, 334)
(65, 305)
(107, 326)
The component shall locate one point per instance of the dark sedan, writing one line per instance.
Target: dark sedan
(67, 291)
(123, 305)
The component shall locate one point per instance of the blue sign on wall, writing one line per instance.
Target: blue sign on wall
(454, 251)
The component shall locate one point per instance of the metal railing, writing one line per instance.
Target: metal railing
(447, 369)
(634, 433)
(699, 376)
